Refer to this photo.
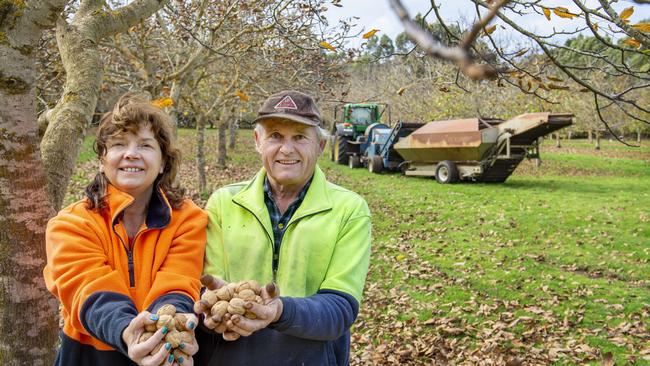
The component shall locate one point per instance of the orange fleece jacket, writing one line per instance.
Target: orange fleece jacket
(87, 254)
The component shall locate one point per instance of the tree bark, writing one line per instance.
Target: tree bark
(233, 126)
(597, 140)
(638, 135)
(79, 47)
(222, 153)
(590, 135)
(558, 144)
(24, 205)
(200, 152)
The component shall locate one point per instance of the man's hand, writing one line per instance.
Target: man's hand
(214, 322)
(140, 352)
(266, 313)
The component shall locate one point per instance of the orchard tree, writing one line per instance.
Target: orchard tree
(33, 179)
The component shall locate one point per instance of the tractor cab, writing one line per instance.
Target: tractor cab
(351, 122)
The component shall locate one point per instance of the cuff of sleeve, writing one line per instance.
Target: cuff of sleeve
(105, 315)
(183, 303)
(288, 314)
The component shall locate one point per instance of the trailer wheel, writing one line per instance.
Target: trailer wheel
(354, 162)
(340, 150)
(446, 172)
(376, 164)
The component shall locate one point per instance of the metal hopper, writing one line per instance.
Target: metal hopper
(476, 149)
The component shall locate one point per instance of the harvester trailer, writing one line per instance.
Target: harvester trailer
(474, 149)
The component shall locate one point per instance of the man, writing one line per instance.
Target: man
(290, 227)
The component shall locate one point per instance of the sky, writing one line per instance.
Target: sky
(378, 14)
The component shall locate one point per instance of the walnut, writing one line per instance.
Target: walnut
(220, 309)
(236, 306)
(167, 309)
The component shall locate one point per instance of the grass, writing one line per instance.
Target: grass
(550, 267)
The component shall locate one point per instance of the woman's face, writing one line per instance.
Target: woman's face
(132, 162)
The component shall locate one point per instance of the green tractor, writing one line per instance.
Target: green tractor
(348, 132)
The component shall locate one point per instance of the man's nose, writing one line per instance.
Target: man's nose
(287, 146)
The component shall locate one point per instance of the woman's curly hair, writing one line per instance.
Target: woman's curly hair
(130, 113)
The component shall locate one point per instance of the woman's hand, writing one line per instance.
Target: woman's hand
(266, 313)
(140, 353)
(214, 323)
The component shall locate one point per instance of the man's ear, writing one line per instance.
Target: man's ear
(258, 139)
(322, 144)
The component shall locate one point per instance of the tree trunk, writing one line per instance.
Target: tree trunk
(24, 205)
(590, 136)
(597, 140)
(638, 135)
(569, 134)
(557, 140)
(233, 126)
(200, 152)
(221, 156)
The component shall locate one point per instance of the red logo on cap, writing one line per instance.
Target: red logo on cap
(286, 103)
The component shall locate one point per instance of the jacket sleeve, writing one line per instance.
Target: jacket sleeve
(325, 316)
(78, 275)
(348, 266)
(177, 279)
(214, 250)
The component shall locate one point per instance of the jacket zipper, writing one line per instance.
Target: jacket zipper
(129, 255)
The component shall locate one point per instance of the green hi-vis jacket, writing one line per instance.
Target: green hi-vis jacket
(326, 245)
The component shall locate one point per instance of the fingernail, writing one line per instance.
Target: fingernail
(165, 330)
(180, 359)
(168, 346)
(181, 346)
(153, 317)
(191, 325)
(170, 359)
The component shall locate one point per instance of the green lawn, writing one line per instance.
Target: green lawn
(550, 267)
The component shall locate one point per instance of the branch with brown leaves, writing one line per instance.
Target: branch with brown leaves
(460, 55)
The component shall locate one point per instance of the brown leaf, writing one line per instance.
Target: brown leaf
(626, 14)
(547, 13)
(608, 359)
(643, 27)
(489, 30)
(563, 12)
(370, 33)
(327, 45)
(632, 42)
(242, 95)
(558, 87)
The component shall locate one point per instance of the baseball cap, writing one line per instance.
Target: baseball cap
(290, 105)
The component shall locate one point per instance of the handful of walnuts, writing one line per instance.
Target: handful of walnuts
(177, 332)
(230, 299)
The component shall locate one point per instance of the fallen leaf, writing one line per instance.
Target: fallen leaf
(608, 359)
(401, 90)
(242, 95)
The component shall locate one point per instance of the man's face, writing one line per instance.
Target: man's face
(289, 152)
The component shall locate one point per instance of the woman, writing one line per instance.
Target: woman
(132, 245)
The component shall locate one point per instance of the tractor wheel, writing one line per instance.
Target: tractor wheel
(354, 162)
(341, 149)
(376, 164)
(446, 172)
